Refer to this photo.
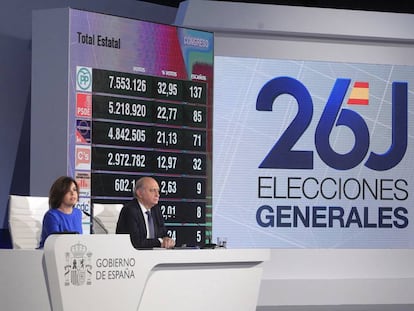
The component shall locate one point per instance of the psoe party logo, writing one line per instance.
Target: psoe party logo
(78, 267)
(283, 155)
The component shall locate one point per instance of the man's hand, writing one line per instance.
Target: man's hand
(167, 242)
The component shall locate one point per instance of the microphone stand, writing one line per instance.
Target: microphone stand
(98, 221)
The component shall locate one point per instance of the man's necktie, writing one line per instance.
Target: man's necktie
(150, 225)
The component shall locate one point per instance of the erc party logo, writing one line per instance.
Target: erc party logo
(83, 79)
(282, 155)
(78, 268)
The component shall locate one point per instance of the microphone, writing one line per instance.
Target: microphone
(96, 220)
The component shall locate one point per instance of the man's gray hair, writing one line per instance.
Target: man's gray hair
(138, 184)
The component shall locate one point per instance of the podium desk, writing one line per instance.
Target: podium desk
(104, 272)
(23, 284)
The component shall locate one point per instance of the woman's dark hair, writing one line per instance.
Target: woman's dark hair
(60, 187)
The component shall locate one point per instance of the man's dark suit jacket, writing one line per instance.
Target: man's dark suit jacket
(131, 221)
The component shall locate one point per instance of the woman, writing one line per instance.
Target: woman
(62, 216)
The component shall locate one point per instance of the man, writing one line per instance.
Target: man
(142, 219)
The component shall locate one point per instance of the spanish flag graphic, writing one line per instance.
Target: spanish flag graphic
(359, 94)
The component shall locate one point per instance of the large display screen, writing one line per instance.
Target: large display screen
(313, 154)
(139, 105)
